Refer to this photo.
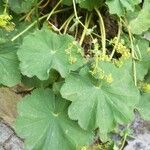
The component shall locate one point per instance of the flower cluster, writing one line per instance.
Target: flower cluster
(98, 54)
(121, 49)
(98, 57)
(146, 87)
(72, 59)
(99, 73)
(5, 22)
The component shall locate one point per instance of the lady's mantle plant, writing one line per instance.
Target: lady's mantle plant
(83, 84)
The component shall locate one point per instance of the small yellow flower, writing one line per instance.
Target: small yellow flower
(146, 87)
(148, 50)
(84, 148)
(5, 22)
(72, 60)
(109, 78)
(123, 50)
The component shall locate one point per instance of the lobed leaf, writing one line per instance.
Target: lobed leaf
(44, 123)
(44, 50)
(102, 105)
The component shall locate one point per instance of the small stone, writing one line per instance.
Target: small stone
(5, 133)
(14, 144)
(1, 148)
(8, 139)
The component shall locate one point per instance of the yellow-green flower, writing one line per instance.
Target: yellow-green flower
(146, 87)
(5, 22)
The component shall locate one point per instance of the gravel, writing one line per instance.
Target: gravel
(8, 139)
(141, 140)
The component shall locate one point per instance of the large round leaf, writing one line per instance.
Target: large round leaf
(101, 105)
(9, 65)
(44, 50)
(44, 123)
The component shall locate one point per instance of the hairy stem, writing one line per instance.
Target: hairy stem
(132, 53)
(118, 38)
(66, 24)
(6, 6)
(87, 22)
(53, 10)
(124, 140)
(37, 14)
(102, 30)
(34, 23)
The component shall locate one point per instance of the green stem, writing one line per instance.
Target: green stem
(76, 32)
(77, 18)
(139, 53)
(37, 14)
(118, 38)
(6, 6)
(53, 9)
(66, 22)
(133, 56)
(87, 22)
(30, 12)
(34, 23)
(132, 53)
(124, 140)
(102, 30)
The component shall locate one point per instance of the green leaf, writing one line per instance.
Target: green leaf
(9, 65)
(44, 123)
(22, 6)
(87, 4)
(99, 104)
(67, 2)
(7, 36)
(90, 4)
(147, 77)
(147, 35)
(141, 46)
(44, 50)
(144, 106)
(120, 6)
(143, 64)
(142, 22)
(35, 82)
